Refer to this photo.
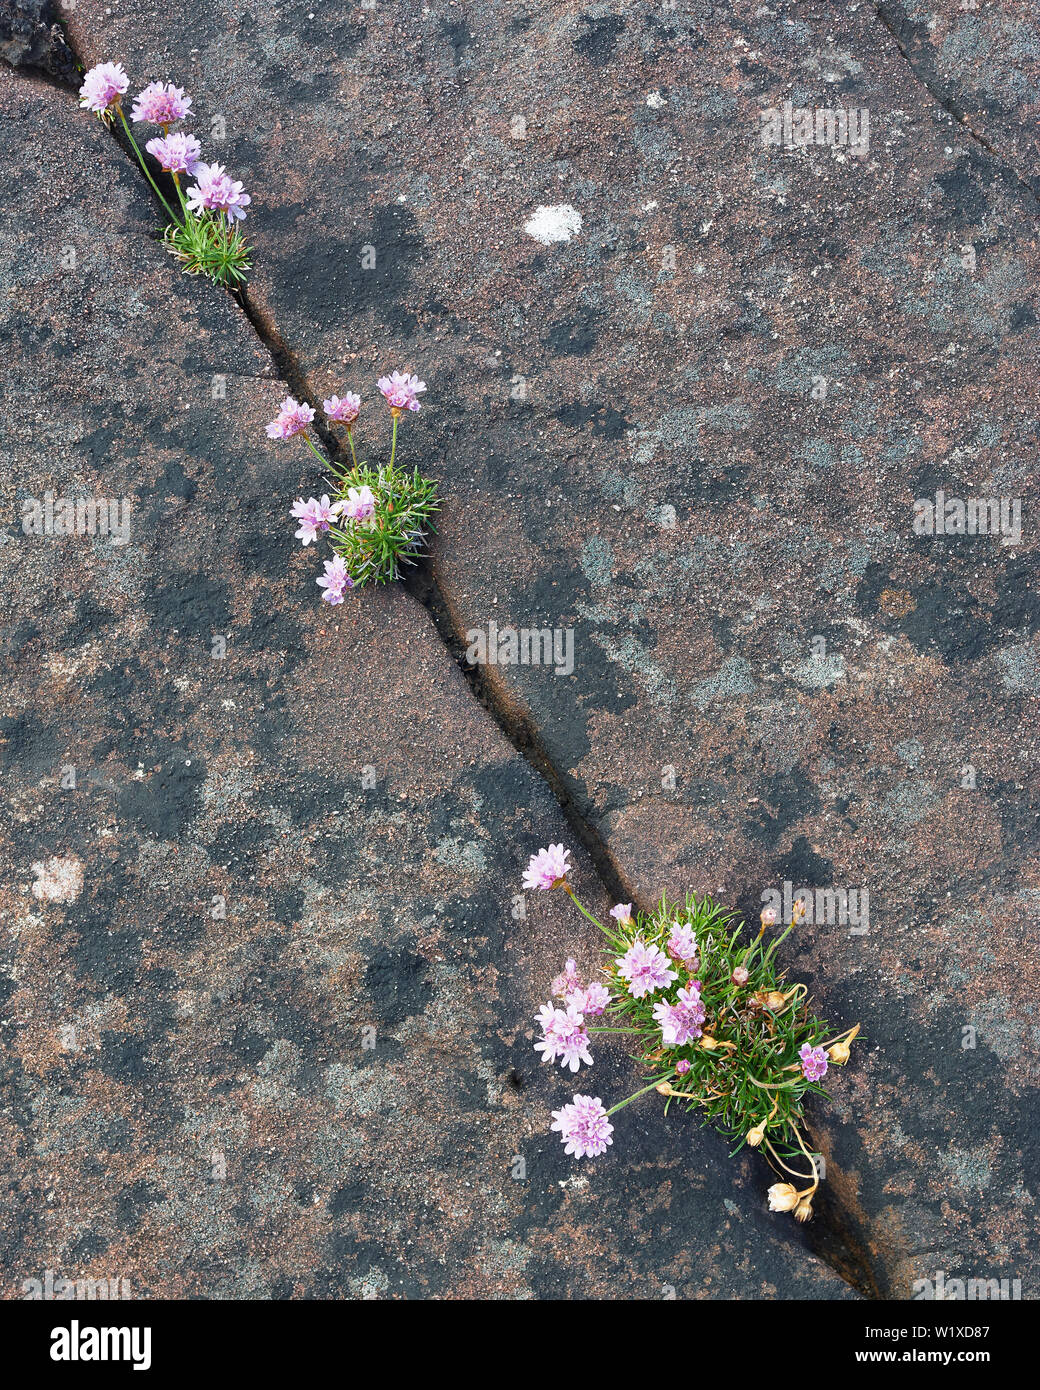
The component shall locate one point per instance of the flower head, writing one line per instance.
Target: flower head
(215, 191)
(682, 944)
(769, 917)
(682, 1066)
(645, 968)
(177, 153)
(740, 976)
(622, 913)
(681, 1022)
(814, 1062)
(591, 1000)
(563, 1037)
(161, 104)
(839, 1054)
(292, 417)
(314, 516)
(803, 1211)
(783, 1196)
(400, 391)
(583, 1126)
(102, 87)
(345, 410)
(547, 867)
(359, 503)
(335, 580)
(568, 980)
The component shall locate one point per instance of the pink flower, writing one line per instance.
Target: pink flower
(682, 1067)
(568, 980)
(314, 516)
(769, 917)
(335, 580)
(345, 410)
(645, 968)
(177, 153)
(681, 1022)
(400, 391)
(739, 976)
(814, 1062)
(563, 1037)
(292, 417)
(622, 913)
(682, 944)
(215, 191)
(102, 87)
(590, 1000)
(584, 1127)
(547, 867)
(161, 104)
(360, 503)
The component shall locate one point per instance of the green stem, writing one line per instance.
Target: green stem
(393, 445)
(317, 454)
(144, 166)
(570, 893)
(350, 441)
(635, 1096)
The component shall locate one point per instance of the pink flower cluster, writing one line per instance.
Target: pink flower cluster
(102, 88)
(814, 1062)
(645, 968)
(563, 1030)
(315, 515)
(584, 1127)
(177, 153)
(547, 867)
(161, 104)
(681, 1022)
(215, 191)
(400, 391)
(335, 581)
(682, 945)
(292, 418)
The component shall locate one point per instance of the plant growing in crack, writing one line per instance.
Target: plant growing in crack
(709, 1016)
(376, 518)
(202, 233)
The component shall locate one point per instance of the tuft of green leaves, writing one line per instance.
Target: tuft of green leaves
(375, 549)
(209, 245)
(752, 1075)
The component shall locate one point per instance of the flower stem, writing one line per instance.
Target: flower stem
(144, 166)
(316, 452)
(570, 893)
(393, 445)
(636, 1094)
(350, 441)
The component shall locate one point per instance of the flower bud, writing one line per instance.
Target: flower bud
(803, 1211)
(783, 1196)
(775, 1000)
(769, 917)
(756, 1135)
(839, 1053)
(739, 976)
(709, 1042)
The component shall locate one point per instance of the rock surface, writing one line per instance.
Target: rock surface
(265, 1004)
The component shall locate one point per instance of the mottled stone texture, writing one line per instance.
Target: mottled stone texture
(247, 833)
(693, 434)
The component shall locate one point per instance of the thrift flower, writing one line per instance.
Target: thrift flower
(400, 391)
(591, 1000)
(739, 976)
(645, 968)
(682, 1067)
(547, 867)
(291, 419)
(161, 104)
(682, 944)
(783, 1197)
(177, 153)
(583, 1126)
(681, 1022)
(568, 980)
(102, 87)
(622, 913)
(814, 1062)
(215, 191)
(345, 411)
(360, 503)
(769, 917)
(563, 1037)
(335, 580)
(314, 516)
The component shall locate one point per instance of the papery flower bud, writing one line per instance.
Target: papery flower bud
(803, 1211)
(739, 976)
(769, 917)
(756, 1135)
(783, 1196)
(839, 1053)
(775, 1000)
(709, 1043)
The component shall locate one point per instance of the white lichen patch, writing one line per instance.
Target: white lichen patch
(557, 223)
(58, 880)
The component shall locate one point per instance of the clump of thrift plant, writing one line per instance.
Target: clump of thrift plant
(203, 233)
(376, 519)
(708, 1015)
